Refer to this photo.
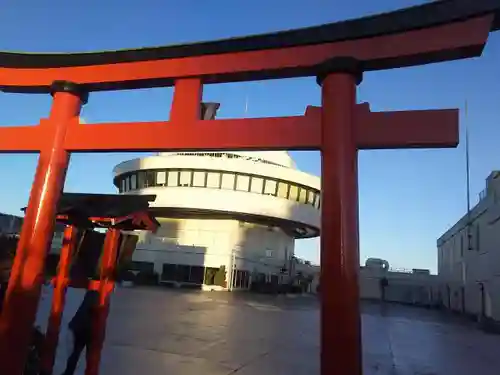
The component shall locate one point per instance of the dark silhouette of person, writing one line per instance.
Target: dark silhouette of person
(3, 291)
(383, 283)
(81, 328)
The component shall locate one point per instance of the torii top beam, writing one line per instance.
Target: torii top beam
(438, 31)
(433, 32)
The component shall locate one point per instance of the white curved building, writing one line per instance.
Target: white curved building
(240, 210)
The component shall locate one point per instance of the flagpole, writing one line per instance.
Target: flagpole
(467, 175)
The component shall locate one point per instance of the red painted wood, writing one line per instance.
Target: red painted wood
(470, 35)
(108, 265)
(58, 299)
(243, 134)
(340, 314)
(401, 129)
(110, 222)
(408, 129)
(21, 138)
(23, 293)
(186, 106)
(376, 130)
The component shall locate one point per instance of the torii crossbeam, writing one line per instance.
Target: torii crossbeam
(337, 54)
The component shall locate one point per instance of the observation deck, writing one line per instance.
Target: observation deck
(262, 187)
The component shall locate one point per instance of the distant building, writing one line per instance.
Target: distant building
(377, 281)
(10, 224)
(232, 212)
(469, 258)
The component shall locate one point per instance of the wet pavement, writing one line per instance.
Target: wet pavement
(163, 331)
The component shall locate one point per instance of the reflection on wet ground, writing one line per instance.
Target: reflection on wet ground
(162, 331)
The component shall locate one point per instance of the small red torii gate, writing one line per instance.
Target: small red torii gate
(337, 54)
(79, 212)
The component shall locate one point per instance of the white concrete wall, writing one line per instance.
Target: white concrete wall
(410, 288)
(212, 243)
(230, 201)
(369, 285)
(463, 270)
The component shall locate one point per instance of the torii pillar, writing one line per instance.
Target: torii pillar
(340, 319)
(39, 221)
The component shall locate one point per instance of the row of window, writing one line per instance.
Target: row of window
(194, 274)
(218, 180)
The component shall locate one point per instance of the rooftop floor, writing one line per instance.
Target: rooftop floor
(162, 331)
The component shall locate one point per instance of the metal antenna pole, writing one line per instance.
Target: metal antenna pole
(467, 174)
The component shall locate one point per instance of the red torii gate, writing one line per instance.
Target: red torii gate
(79, 212)
(336, 53)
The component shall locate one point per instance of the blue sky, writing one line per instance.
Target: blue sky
(408, 198)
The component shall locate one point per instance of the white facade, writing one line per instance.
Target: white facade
(469, 258)
(240, 210)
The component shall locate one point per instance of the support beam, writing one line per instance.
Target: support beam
(375, 130)
(401, 129)
(292, 133)
(21, 139)
(408, 129)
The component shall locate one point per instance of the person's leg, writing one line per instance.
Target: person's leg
(79, 344)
